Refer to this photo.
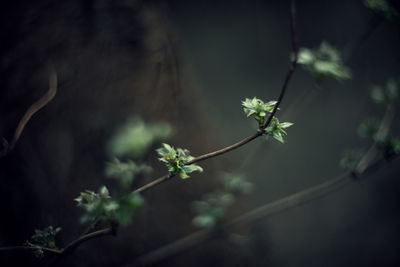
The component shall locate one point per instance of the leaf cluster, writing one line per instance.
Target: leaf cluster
(382, 7)
(176, 159)
(97, 205)
(43, 239)
(388, 94)
(257, 108)
(324, 62)
(125, 172)
(101, 206)
(237, 183)
(136, 137)
(212, 208)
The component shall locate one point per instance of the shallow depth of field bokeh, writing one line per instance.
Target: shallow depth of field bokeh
(182, 69)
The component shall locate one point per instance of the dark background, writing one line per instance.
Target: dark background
(191, 63)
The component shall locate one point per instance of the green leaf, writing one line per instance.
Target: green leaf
(285, 124)
(191, 168)
(275, 129)
(278, 136)
(183, 175)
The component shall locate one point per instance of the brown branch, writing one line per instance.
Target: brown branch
(270, 209)
(32, 248)
(68, 248)
(293, 64)
(74, 244)
(153, 183)
(35, 107)
(226, 149)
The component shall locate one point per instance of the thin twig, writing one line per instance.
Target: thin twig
(15, 248)
(293, 64)
(74, 244)
(67, 249)
(226, 149)
(35, 107)
(153, 183)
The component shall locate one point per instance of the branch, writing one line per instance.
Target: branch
(35, 107)
(76, 243)
(68, 248)
(293, 65)
(278, 206)
(54, 251)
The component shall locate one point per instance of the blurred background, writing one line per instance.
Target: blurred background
(188, 65)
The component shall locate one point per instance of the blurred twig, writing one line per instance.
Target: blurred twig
(35, 107)
(266, 210)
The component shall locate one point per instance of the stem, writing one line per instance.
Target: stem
(74, 244)
(273, 208)
(70, 247)
(292, 66)
(35, 107)
(51, 250)
(166, 177)
(226, 149)
(153, 183)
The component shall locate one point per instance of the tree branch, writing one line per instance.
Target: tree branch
(293, 64)
(275, 207)
(35, 107)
